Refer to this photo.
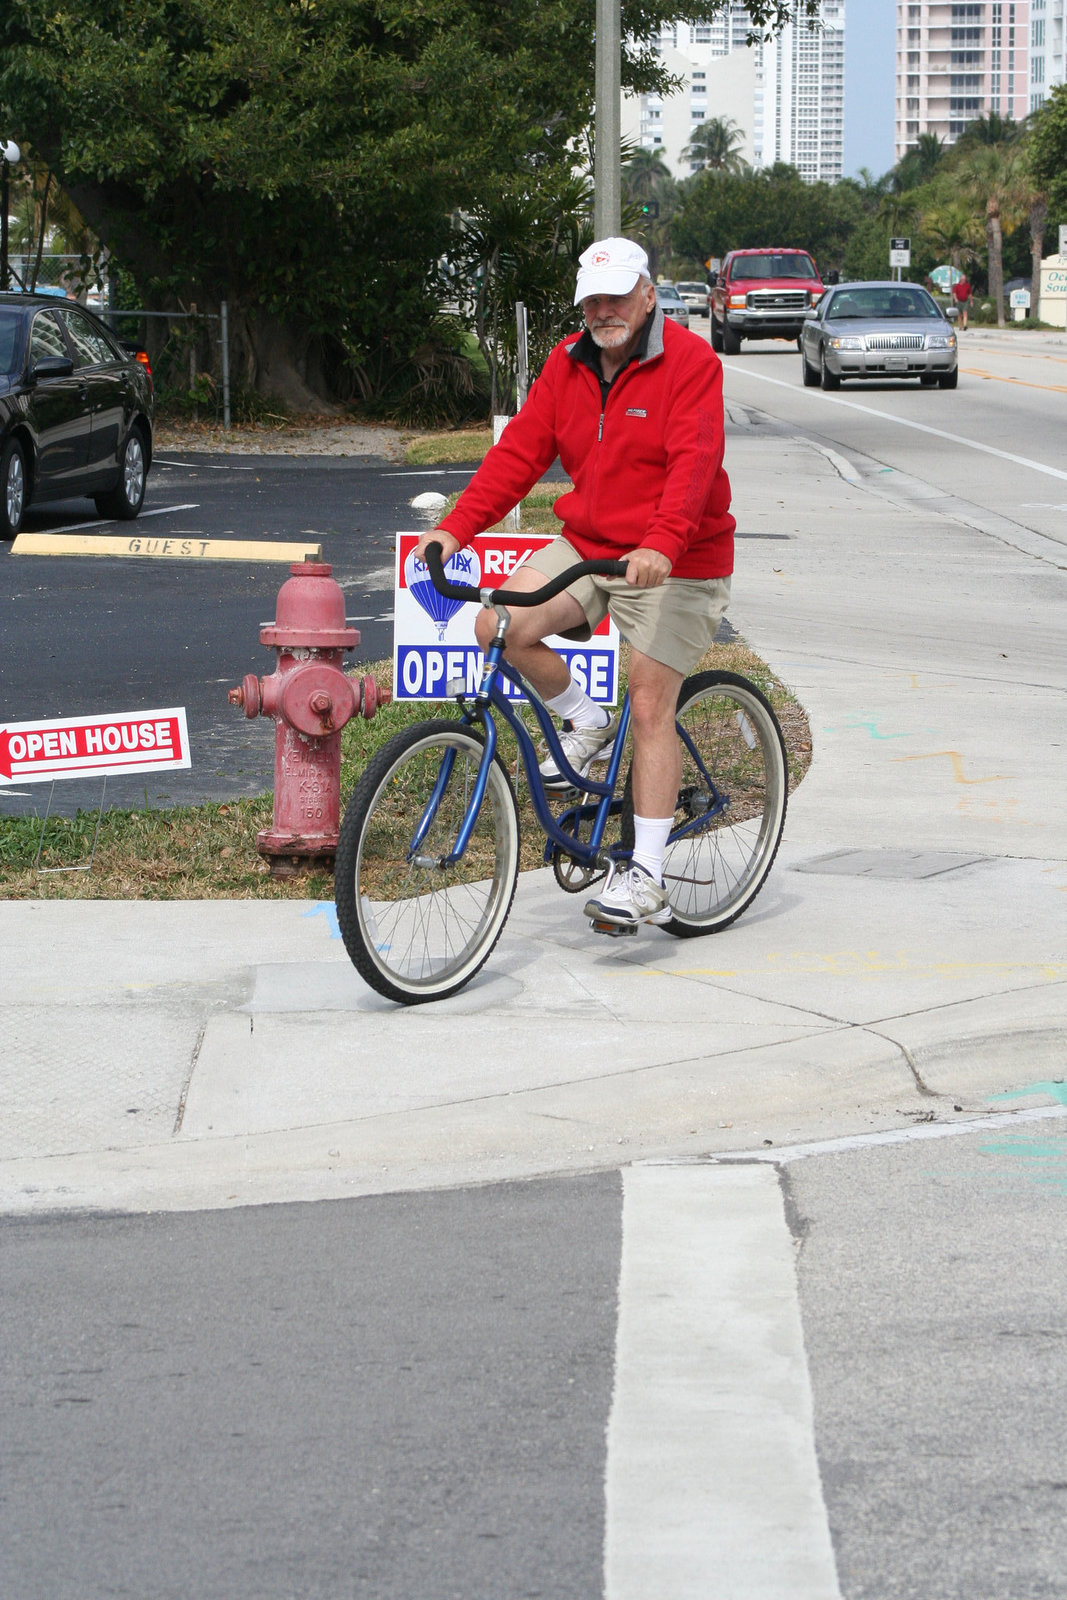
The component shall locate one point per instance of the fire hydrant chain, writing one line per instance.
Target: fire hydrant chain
(310, 700)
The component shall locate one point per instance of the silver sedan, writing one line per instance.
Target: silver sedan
(878, 330)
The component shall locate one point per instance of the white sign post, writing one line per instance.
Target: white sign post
(1063, 239)
(433, 638)
(899, 255)
(1019, 300)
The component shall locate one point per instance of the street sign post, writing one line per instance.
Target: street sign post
(899, 255)
(1063, 239)
(1019, 300)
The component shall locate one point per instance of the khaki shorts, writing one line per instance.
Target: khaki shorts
(674, 623)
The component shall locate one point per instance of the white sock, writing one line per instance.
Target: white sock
(574, 705)
(650, 841)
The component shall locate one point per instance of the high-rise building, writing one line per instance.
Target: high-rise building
(786, 96)
(1047, 65)
(958, 60)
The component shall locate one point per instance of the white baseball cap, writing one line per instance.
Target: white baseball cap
(609, 266)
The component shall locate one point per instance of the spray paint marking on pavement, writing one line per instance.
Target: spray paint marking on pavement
(327, 909)
(859, 724)
(957, 766)
(712, 1483)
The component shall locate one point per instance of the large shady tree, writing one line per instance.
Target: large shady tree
(308, 160)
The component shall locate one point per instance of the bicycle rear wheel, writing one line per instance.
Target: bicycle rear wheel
(417, 929)
(731, 804)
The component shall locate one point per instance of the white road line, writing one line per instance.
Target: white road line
(107, 522)
(903, 422)
(197, 466)
(712, 1483)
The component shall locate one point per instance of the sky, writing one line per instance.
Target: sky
(870, 46)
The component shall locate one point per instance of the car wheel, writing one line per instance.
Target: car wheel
(12, 489)
(810, 373)
(731, 341)
(829, 380)
(949, 380)
(716, 335)
(125, 501)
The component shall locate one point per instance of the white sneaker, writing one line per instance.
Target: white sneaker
(581, 746)
(631, 895)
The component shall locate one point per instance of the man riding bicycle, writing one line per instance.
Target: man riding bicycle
(633, 408)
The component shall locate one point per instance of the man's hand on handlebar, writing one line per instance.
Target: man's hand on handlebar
(449, 545)
(646, 569)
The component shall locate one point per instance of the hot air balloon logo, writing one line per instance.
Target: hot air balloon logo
(463, 567)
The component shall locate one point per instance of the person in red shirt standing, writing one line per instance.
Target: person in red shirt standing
(633, 408)
(961, 293)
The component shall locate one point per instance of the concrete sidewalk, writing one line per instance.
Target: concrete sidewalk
(906, 959)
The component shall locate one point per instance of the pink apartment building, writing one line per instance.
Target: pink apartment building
(958, 60)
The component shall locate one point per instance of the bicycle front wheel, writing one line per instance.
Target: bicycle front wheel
(415, 927)
(731, 804)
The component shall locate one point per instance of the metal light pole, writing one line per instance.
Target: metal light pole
(9, 152)
(607, 177)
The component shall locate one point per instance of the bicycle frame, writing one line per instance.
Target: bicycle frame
(489, 698)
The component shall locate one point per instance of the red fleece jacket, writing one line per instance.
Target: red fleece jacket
(647, 468)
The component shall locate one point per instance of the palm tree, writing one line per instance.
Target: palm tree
(993, 175)
(929, 148)
(643, 172)
(717, 144)
(991, 129)
(953, 229)
(650, 197)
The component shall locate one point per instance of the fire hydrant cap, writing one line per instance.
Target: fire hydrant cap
(310, 611)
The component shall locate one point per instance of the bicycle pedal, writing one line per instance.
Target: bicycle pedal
(614, 930)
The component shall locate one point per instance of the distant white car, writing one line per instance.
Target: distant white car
(695, 296)
(673, 304)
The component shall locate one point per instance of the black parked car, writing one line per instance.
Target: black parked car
(76, 409)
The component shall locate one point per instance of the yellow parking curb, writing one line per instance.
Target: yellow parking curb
(180, 548)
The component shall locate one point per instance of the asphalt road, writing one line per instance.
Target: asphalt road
(405, 1397)
(994, 444)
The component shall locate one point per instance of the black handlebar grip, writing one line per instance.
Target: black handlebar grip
(512, 597)
(443, 585)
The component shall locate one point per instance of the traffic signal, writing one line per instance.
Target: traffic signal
(650, 208)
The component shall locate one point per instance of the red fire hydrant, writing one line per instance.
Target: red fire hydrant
(310, 699)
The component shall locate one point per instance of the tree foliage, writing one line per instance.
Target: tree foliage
(1048, 149)
(305, 159)
(721, 211)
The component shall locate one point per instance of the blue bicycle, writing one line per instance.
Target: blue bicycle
(428, 854)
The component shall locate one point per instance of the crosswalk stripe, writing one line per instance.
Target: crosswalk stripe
(712, 1483)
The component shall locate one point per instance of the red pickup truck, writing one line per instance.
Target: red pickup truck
(762, 294)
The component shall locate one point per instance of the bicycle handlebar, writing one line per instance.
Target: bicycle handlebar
(514, 597)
